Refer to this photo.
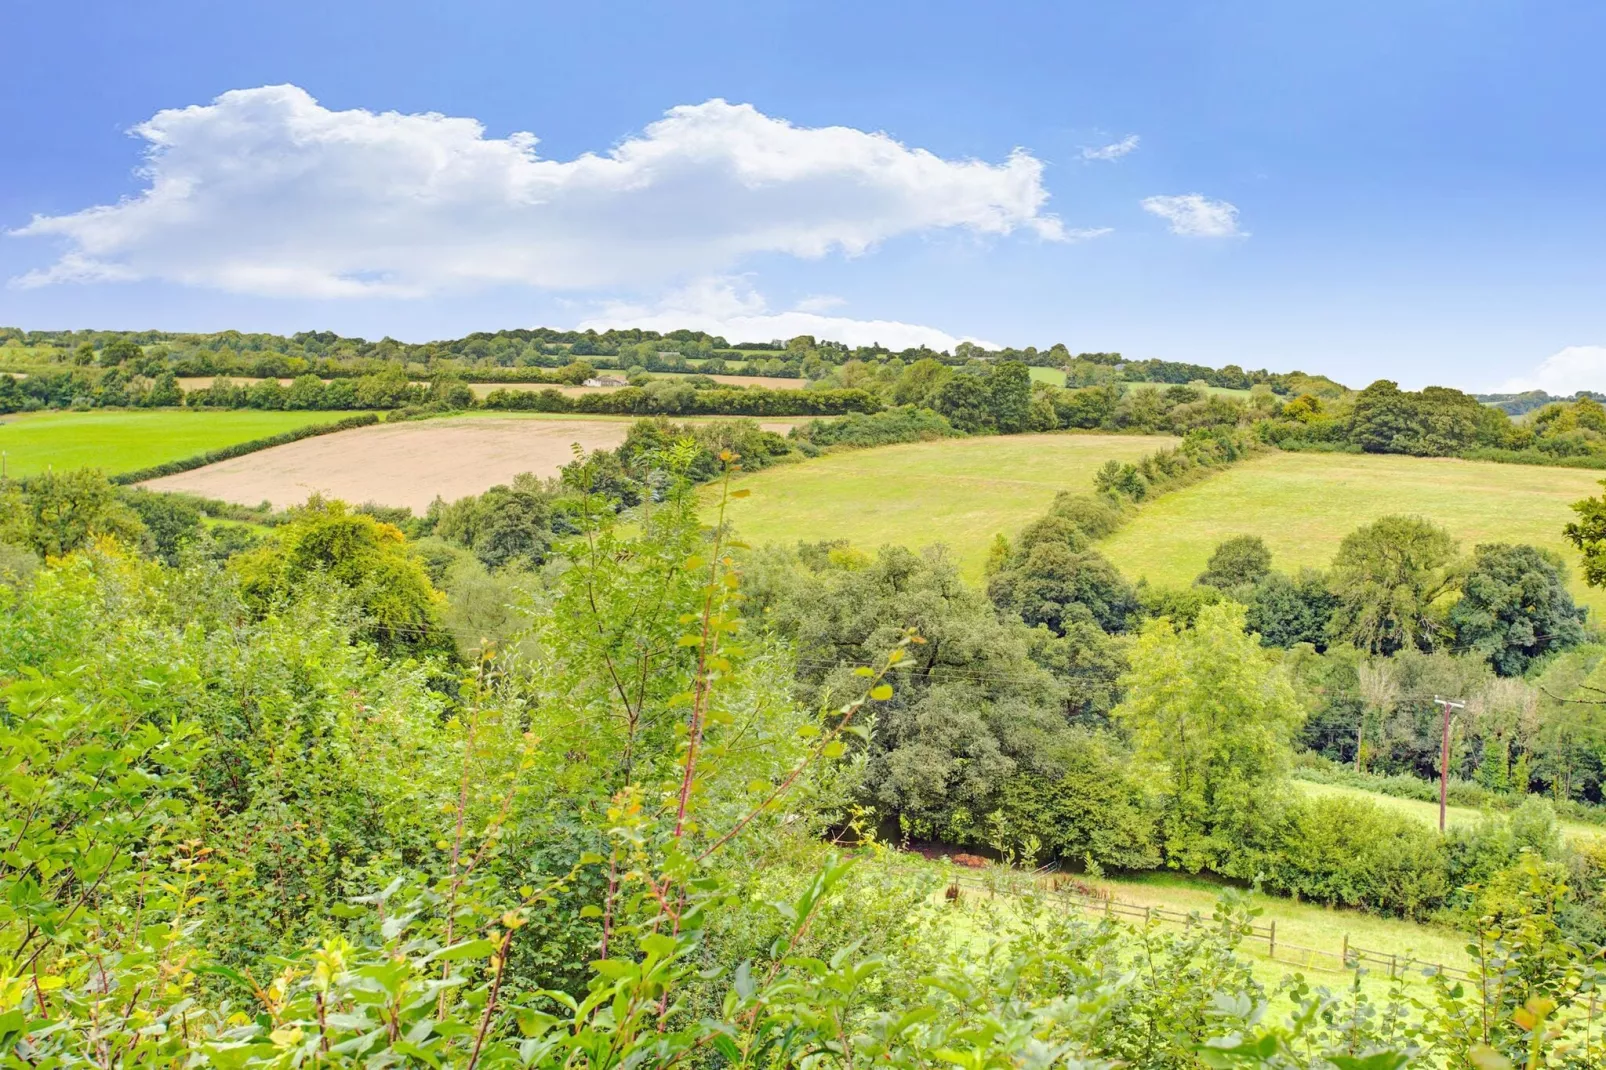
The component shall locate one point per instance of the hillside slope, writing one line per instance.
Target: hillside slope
(1303, 504)
(960, 492)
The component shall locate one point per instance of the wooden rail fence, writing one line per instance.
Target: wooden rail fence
(1348, 957)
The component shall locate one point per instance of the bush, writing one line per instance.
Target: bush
(1354, 853)
(907, 423)
(1087, 806)
(1095, 516)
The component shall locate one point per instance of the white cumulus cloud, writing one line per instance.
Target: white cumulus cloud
(1196, 215)
(265, 191)
(1565, 372)
(732, 308)
(1113, 151)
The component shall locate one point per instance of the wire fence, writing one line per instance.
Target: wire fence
(1046, 886)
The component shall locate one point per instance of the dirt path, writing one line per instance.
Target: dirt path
(404, 464)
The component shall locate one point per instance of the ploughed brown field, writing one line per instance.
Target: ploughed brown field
(406, 463)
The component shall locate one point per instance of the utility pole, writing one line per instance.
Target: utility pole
(1444, 758)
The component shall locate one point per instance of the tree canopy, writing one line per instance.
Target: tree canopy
(327, 543)
(1514, 607)
(1213, 716)
(1387, 576)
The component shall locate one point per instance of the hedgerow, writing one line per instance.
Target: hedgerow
(906, 423)
(682, 400)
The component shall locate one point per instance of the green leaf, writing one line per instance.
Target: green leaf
(468, 949)
(1481, 1057)
(881, 692)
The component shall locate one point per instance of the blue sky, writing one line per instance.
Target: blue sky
(1401, 190)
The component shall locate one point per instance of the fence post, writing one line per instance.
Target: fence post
(1344, 958)
(1107, 905)
(1146, 918)
(1272, 939)
(1393, 964)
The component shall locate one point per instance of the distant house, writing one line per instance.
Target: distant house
(606, 380)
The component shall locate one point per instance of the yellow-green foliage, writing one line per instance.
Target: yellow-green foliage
(124, 440)
(328, 543)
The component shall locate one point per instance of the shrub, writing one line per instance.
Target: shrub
(1095, 516)
(907, 423)
(1086, 805)
(1352, 852)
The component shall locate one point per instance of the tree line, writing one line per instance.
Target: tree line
(976, 391)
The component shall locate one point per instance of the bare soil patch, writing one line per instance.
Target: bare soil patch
(399, 464)
(406, 463)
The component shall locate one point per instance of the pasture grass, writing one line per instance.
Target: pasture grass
(1299, 924)
(1223, 391)
(122, 440)
(959, 492)
(1056, 377)
(1303, 504)
(1301, 928)
(1428, 812)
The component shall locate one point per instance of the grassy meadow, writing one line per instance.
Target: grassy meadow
(1428, 812)
(1056, 377)
(1310, 937)
(1303, 504)
(122, 440)
(1299, 925)
(960, 492)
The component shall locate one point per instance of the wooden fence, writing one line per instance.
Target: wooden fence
(1342, 960)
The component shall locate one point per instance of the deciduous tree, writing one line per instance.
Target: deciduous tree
(1212, 715)
(1387, 575)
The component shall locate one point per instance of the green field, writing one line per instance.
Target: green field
(1428, 812)
(122, 440)
(960, 492)
(1299, 925)
(1056, 377)
(1310, 938)
(1303, 504)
